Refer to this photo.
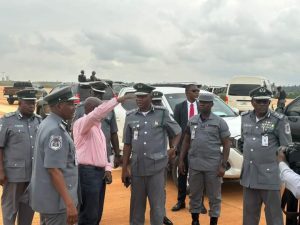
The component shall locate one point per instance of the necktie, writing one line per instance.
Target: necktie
(191, 110)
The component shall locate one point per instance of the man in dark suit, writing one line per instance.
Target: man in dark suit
(182, 113)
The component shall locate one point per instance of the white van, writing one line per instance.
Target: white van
(238, 89)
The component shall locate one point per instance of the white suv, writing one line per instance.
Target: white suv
(175, 95)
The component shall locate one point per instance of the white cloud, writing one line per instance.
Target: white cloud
(139, 40)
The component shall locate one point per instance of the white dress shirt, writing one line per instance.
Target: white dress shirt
(290, 179)
(195, 108)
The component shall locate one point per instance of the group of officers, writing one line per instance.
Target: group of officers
(39, 165)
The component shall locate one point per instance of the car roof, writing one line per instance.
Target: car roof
(164, 90)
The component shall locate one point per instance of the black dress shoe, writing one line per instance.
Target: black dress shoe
(167, 221)
(178, 206)
(203, 209)
(195, 222)
(213, 220)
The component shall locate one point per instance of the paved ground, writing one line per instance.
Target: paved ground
(116, 211)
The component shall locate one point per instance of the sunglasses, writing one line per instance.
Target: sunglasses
(262, 101)
(195, 90)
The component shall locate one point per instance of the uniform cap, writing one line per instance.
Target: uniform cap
(98, 86)
(27, 94)
(260, 93)
(63, 94)
(206, 97)
(157, 95)
(143, 89)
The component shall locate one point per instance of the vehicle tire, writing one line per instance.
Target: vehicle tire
(10, 101)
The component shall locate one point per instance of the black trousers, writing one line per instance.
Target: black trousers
(182, 180)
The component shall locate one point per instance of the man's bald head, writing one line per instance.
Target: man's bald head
(91, 103)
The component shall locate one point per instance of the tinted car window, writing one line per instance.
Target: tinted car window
(241, 89)
(294, 109)
(174, 99)
(219, 108)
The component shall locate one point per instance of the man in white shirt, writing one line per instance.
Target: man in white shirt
(288, 176)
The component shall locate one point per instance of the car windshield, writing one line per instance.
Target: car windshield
(219, 108)
(241, 89)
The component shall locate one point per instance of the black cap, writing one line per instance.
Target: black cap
(27, 94)
(63, 94)
(98, 86)
(143, 89)
(260, 93)
(157, 95)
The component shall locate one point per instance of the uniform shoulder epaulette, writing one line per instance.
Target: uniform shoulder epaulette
(160, 107)
(245, 113)
(10, 114)
(130, 112)
(277, 115)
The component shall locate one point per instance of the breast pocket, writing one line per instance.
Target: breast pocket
(17, 135)
(212, 132)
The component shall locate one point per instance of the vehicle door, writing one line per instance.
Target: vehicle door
(292, 111)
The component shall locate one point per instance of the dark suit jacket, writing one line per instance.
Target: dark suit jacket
(181, 117)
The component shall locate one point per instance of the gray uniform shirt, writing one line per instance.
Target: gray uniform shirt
(147, 134)
(260, 142)
(206, 140)
(54, 148)
(17, 137)
(108, 125)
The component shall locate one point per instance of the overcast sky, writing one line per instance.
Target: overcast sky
(207, 41)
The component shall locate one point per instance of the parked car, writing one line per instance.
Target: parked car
(10, 93)
(80, 90)
(238, 88)
(175, 95)
(292, 111)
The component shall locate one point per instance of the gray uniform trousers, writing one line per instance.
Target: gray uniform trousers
(53, 219)
(153, 188)
(12, 206)
(253, 199)
(198, 180)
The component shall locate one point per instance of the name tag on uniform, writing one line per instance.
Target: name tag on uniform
(135, 134)
(264, 140)
(193, 133)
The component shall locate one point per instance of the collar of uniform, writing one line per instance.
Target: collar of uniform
(253, 116)
(151, 109)
(20, 115)
(209, 118)
(56, 117)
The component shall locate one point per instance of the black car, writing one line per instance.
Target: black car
(292, 111)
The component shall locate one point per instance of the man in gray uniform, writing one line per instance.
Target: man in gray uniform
(204, 135)
(157, 100)
(17, 137)
(54, 181)
(145, 136)
(263, 132)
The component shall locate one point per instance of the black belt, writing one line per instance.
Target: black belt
(90, 167)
